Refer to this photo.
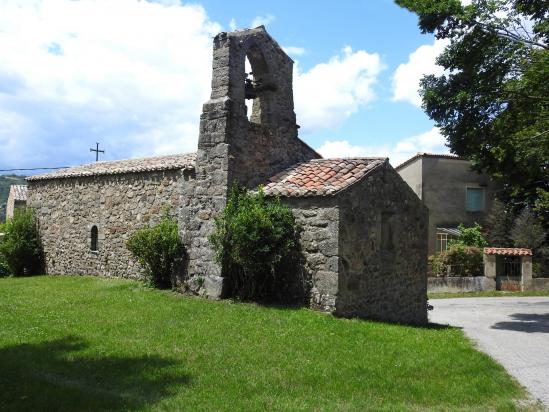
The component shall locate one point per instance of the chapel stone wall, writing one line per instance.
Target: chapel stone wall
(233, 148)
(383, 251)
(117, 205)
(318, 219)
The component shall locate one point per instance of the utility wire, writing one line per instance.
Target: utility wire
(34, 168)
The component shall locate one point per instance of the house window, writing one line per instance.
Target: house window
(94, 235)
(475, 199)
(442, 242)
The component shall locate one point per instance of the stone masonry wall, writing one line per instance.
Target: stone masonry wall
(233, 149)
(383, 251)
(318, 219)
(67, 209)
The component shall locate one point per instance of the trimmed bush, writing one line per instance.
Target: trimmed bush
(21, 248)
(437, 266)
(463, 261)
(157, 249)
(255, 241)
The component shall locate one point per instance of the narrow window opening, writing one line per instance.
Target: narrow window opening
(94, 235)
(249, 82)
(387, 243)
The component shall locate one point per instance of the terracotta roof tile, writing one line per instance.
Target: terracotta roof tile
(146, 164)
(321, 177)
(507, 251)
(19, 192)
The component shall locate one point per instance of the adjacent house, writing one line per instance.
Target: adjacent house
(451, 190)
(17, 198)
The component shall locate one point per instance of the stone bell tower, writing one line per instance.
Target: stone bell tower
(233, 148)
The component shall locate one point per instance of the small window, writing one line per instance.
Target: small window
(475, 199)
(386, 232)
(94, 234)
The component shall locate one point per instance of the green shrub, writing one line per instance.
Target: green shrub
(255, 241)
(157, 249)
(470, 236)
(463, 261)
(437, 267)
(21, 248)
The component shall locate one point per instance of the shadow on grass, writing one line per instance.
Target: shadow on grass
(54, 376)
(525, 322)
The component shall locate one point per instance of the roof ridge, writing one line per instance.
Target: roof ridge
(426, 154)
(113, 167)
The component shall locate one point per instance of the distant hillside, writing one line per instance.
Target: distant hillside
(5, 182)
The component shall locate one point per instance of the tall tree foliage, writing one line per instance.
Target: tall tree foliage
(492, 101)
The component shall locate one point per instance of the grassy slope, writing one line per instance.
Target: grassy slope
(86, 343)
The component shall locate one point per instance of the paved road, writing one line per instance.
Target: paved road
(513, 331)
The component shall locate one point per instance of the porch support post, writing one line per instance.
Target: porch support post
(490, 271)
(525, 272)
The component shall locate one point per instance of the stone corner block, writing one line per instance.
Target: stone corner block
(213, 286)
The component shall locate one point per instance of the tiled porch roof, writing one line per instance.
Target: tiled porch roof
(19, 192)
(507, 251)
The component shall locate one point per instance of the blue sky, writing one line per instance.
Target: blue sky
(133, 75)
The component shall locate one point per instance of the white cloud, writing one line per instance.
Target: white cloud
(431, 141)
(329, 93)
(129, 74)
(262, 20)
(232, 24)
(407, 75)
(294, 51)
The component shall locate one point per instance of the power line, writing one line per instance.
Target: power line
(34, 168)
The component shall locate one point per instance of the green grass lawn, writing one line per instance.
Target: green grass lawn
(487, 294)
(84, 343)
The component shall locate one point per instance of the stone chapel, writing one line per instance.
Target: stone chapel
(364, 238)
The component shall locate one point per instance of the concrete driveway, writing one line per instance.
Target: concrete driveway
(513, 331)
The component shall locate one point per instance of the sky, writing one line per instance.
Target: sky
(133, 75)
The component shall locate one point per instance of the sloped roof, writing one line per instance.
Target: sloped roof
(19, 192)
(321, 177)
(431, 155)
(146, 164)
(507, 251)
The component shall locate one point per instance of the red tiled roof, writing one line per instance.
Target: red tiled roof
(321, 177)
(146, 164)
(507, 251)
(19, 192)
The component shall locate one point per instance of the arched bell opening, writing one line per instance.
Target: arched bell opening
(259, 85)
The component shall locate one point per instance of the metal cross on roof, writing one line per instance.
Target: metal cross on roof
(97, 151)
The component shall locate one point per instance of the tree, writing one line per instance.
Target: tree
(527, 231)
(21, 248)
(499, 224)
(492, 102)
(470, 236)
